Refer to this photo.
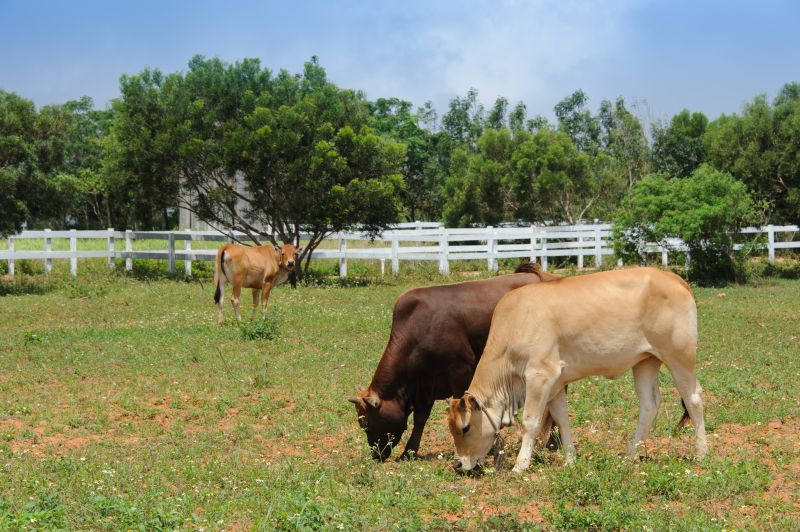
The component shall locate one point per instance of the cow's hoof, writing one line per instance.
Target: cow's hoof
(518, 470)
(408, 455)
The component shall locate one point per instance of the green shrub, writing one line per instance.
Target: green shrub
(703, 210)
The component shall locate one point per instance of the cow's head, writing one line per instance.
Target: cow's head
(383, 421)
(473, 432)
(287, 255)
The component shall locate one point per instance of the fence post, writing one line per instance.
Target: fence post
(342, 256)
(395, 254)
(73, 252)
(491, 248)
(11, 256)
(598, 250)
(771, 237)
(533, 243)
(664, 256)
(48, 247)
(171, 251)
(383, 267)
(110, 247)
(187, 247)
(544, 251)
(128, 249)
(444, 264)
(580, 253)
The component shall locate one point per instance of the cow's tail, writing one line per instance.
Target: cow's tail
(684, 418)
(218, 273)
(527, 266)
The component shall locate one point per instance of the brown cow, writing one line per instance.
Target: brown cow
(438, 335)
(256, 267)
(546, 336)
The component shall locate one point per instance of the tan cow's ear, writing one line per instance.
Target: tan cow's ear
(373, 400)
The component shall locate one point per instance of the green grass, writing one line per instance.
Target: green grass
(123, 406)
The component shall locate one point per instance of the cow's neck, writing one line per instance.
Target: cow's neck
(390, 378)
(495, 386)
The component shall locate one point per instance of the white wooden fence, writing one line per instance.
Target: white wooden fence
(419, 241)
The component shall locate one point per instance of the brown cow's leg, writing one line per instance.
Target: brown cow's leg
(256, 298)
(237, 291)
(421, 414)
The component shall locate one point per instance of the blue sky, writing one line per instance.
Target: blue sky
(661, 56)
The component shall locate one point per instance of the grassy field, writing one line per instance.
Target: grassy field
(123, 406)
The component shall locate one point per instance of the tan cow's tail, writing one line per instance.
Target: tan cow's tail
(218, 273)
(684, 417)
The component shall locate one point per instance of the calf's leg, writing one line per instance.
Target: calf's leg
(645, 377)
(220, 319)
(256, 299)
(267, 288)
(237, 291)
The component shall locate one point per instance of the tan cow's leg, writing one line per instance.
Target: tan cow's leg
(538, 385)
(256, 298)
(237, 291)
(558, 410)
(692, 395)
(265, 297)
(645, 377)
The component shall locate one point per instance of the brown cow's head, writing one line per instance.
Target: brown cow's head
(383, 421)
(472, 432)
(287, 256)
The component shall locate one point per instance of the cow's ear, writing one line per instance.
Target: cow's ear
(373, 400)
(465, 410)
(358, 401)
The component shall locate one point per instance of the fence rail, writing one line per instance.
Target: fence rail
(429, 242)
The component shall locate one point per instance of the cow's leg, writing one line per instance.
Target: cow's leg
(558, 410)
(237, 291)
(692, 395)
(220, 319)
(421, 414)
(256, 299)
(538, 386)
(267, 288)
(645, 377)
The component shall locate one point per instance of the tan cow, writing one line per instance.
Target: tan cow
(546, 335)
(256, 267)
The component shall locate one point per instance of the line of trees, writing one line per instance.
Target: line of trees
(244, 147)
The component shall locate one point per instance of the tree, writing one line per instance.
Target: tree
(575, 119)
(303, 151)
(678, 147)
(623, 139)
(703, 210)
(464, 119)
(140, 151)
(17, 117)
(423, 169)
(761, 147)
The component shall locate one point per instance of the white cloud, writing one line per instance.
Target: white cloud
(519, 49)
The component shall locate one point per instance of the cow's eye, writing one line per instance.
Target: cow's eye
(362, 421)
(465, 429)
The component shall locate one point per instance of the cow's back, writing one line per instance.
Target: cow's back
(591, 319)
(439, 333)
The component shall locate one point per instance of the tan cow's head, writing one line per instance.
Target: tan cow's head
(473, 433)
(287, 256)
